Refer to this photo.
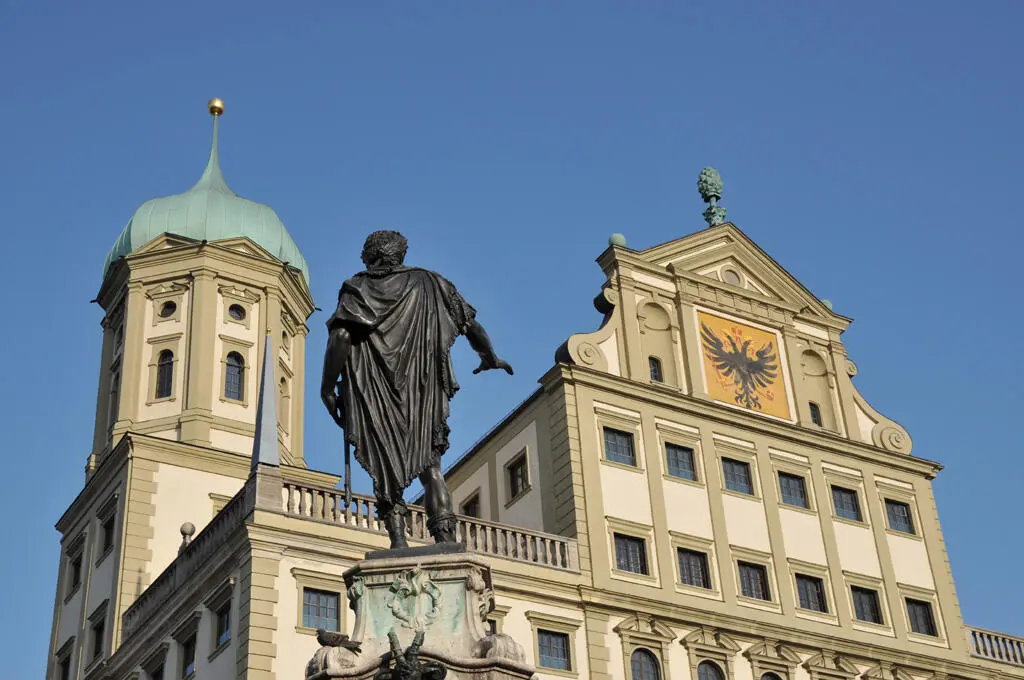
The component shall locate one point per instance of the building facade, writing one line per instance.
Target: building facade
(696, 489)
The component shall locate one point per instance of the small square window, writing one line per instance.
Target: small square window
(518, 478)
(471, 507)
(811, 591)
(865, 604)
(845, 501)
(630, 554)
(188, 657)
(737, 476)
(693, 568)
(794, 490)
(320, 609)
(679, 461)
(921, 619)
(553, 650)
(618, 447)
(899, 515)
(754, 581)
(223, 625)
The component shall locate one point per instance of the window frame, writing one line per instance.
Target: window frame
(157, 345)
(699, 545)
(745, 566)
(107, 513)
(163, 293)
(765, 561)
(187, 634)
(705, 567)
(97, 634)
(63, 655)
(665, 444)
(655, 364)
(818, 571)
(926, 607)
(233, 295)
(219, 601)
(631, 438)
(929, 597)
(554, 624)
(714, 664)
(635, 530)
(814, 410)
(887, 503)
(803, 486)
(687, 438)
(630, 541)
(323, 582)
(74, 576)
(857, 493)
(522, 457)
(654, 658)
(473, 498)
(797, 466)
(751, 474)
(878, 586)
(821, 594)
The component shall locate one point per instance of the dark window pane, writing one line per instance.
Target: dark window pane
(921, 619)
(471, 508)
(492, 626)
(811, 592)
(517, 477)
(164, 374)
(845, 501)
(108, 534)
(865, 605)
(157, 673)
(97, 639)
(65, 669)
(234, 376)
(643, 665)
(794, 490)
(754, 581)
(899, 516)
(815, 414)
(75, 568)
(679, 460)
(320, 609)
(655, 365)
(224, 624)
(553, 650)
(770, 676)
(188, 657)
(737, 476)
(693, 568)
(630, 554)
(708, 670)
(618, 446)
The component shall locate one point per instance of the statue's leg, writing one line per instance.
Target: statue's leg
(440, 516)
(393, 515)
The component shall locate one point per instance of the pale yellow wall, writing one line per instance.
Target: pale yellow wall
(857, 552)
(251, 338)
(745, 523)
(910, 561)
(625, 494)
(154, 328)
(801, 533)
(516, 625)
(477, 483)
(527, 511)
(610, 348)
(687, 508)
(230, 441)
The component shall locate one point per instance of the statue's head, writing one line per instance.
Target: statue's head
(384, 250)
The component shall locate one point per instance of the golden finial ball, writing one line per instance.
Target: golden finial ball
(216, 106)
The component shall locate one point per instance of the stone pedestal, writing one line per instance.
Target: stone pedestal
(438, 590)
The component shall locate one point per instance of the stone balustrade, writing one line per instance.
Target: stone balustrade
(987, 644)
(489, 538)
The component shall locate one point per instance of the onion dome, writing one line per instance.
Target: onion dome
(209, 211)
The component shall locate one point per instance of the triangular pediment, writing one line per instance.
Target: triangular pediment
(725, 255)
(247, 247)
(164, 242)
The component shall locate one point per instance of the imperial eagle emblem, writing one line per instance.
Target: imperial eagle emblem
(750, 371)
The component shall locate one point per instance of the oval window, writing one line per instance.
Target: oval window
(167, 309)
(236, 312)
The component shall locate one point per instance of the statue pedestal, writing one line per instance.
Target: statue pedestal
(439, 591)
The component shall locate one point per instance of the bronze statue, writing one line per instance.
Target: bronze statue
(389, 343)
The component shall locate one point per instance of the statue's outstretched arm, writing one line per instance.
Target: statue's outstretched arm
(339, 341)
(481, 344)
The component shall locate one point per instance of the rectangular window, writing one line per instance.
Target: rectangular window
(900, 518)
(188, 657)
(754, 581)
(223, 629)
(64, 668)
(794, 490)
(320, 609)
(845, 501)
(517, 476)
(865, 605)
(74, 572)
(107, 533)
(618, 447)
(737, 476)
(815, 414)
(471, 508)
(811, 591)
(553, 650)
(97, 639)
(921, 619)
(679, 461)
(157, 673)
(630, 554)
(693, 568)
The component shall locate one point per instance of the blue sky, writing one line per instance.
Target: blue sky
(873, 149)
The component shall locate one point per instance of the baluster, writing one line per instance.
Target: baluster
(318, 505)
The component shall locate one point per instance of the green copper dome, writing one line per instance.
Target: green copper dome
(209, 211)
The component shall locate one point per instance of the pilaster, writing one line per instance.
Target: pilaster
(298, 395)
(803, 411)
(99, 437)
(257, 614)
(873, 504)
(599, 658)
(201, 365)
(845, 370)
(132, 373)
(691, 343)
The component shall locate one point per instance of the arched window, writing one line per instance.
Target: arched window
(164, 374)
(644, 665)
(770, 676)
(234, 377)
(708, 670)
(815, 414)
(656, 373)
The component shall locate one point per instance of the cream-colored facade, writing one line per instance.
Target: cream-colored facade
(594, 499)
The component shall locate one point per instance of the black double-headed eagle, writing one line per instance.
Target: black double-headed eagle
(750, 374)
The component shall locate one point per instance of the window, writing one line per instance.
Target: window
(693, 568)
(157, 673)
(471, 508)
(320, 609)
(630, 554)
(97, 639)
(794, 490)
(655, 365)
(107, 533)
(115, 397)
(223, 627)
(865, 605)
(900, 518)
(553, 650)
(811, 591)
(921, 619)
(708, 670)
(234, 377)
(770, 676)
(737, 476)
(679, 461)
(846, 503)
(815, 414)
(492, 627)
(754, 581)
(64, 668)
(237, 312)
(74, 575)
(188, 656)
(518, 479)
(168, 309)
(643, 665)
(618, 447)
(164, 374)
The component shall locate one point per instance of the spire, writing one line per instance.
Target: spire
(709, 184)
(265, 449)
(212, 177)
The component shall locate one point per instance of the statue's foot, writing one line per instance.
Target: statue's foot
(398, 542)
(443, 528)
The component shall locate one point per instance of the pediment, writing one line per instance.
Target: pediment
(645, 625)
(710, 638)
(245, 246)
(164, 241)
(725, 255)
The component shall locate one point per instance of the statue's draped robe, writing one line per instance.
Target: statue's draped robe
(398, 378)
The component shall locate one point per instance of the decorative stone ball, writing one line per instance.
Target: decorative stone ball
(617, 240)
(827, 303)
(188, 530)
